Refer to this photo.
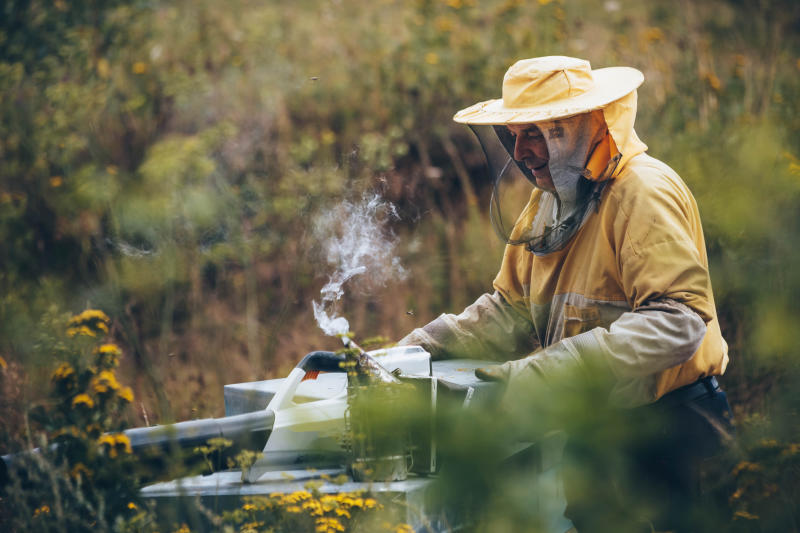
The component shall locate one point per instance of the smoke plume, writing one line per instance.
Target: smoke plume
(356, 242)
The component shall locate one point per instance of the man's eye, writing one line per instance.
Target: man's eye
(533, 134)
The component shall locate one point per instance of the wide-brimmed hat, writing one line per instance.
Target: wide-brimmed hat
(552, 87)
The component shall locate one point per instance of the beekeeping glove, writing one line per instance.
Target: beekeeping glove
(562, 363)
(501, 373)
(520, 379)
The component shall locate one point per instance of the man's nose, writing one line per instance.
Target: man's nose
(525, 148)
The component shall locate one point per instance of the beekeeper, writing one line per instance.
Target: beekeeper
(605, 265)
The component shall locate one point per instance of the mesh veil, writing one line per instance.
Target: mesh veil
(523, 214)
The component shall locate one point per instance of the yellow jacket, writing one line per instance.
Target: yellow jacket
(633, 282)
(631, 288)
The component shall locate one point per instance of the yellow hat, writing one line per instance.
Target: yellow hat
(552, 87)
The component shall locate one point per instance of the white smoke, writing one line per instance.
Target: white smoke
(356, 242)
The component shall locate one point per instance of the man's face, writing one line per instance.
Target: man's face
(530, 149)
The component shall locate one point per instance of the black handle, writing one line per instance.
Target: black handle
(322, 362)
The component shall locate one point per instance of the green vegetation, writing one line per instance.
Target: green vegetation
(164, 161)
(83, 476)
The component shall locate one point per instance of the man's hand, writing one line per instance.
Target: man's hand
(492, 373)
(520, 392)
(508, 371)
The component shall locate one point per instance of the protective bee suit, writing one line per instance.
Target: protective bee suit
(610, 269)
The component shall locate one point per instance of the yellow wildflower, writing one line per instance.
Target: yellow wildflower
(328, 502)
(81, 330)
(248, 507)
(56, 181)
(346, 500)
(44, 509)
(96, 314)
(370, 503)
(109, 348)
(342, 512)
(126, 394)
(83, 399)
(104, 381)
(328, 525)
(116, 443)
(314, 507)
(431, 58)
(89, 323)
(258, 503)
(132, 506)
(63, 372)
(109, 355)
(3, 364)
(89, 315)
(140, 67)
(125, 442)
(403, 528)
(293, 509)
(183, 529)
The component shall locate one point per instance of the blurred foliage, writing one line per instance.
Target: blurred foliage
(164, 161)
(84, 476)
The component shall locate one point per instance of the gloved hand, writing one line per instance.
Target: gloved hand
(503, 373)
(521, 388)
(492, 373)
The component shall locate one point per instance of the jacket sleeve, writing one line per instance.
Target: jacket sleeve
(663, 272)
(490, 328)
(634, 349)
